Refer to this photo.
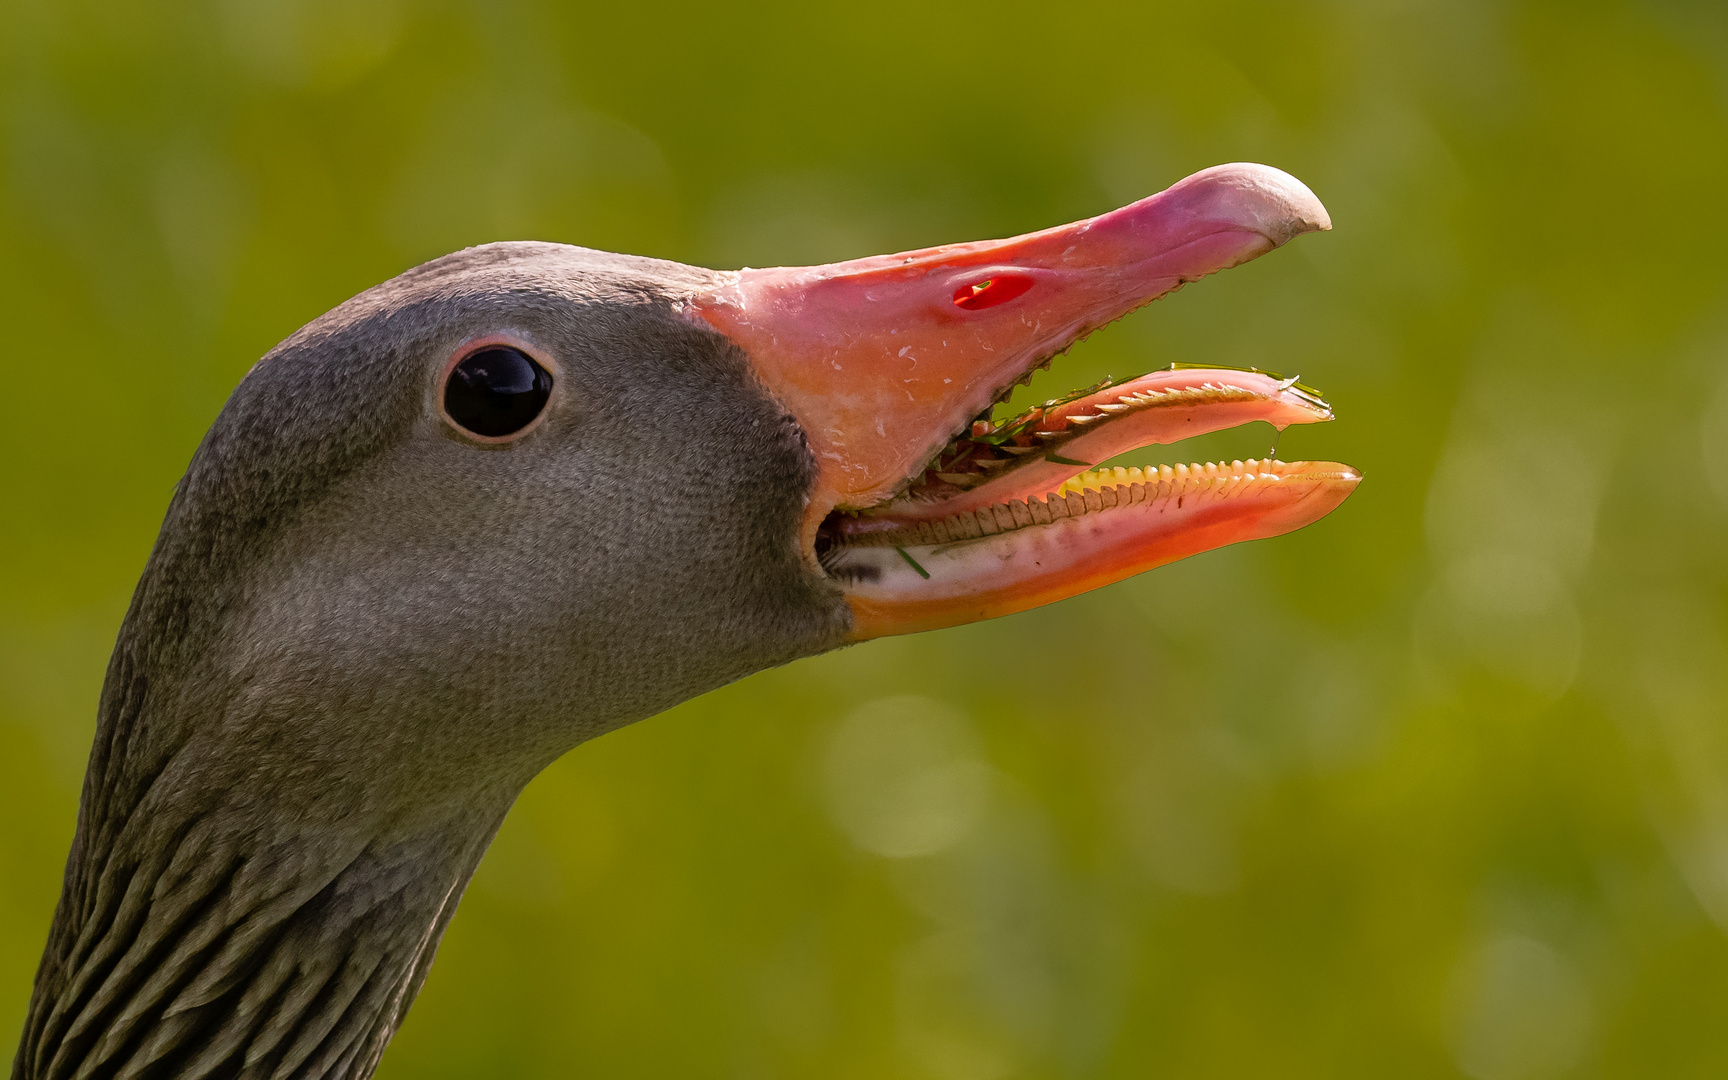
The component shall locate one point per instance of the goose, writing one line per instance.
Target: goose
(527, 493)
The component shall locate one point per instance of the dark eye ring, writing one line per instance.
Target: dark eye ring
(494, 392)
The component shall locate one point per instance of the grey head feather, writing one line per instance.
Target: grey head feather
(359, 636)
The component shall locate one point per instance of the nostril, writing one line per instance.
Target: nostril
(997, 289)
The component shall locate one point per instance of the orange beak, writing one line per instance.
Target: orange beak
(929, 513)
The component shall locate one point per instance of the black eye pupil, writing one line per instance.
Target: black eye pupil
(496, 391)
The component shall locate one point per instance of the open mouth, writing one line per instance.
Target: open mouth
(1017, 513)
(931, 513)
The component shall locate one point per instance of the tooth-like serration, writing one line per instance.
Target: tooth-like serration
(1089, 493)
(963, 480)
(1206, 393)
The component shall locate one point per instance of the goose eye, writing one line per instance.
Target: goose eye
(496, 392)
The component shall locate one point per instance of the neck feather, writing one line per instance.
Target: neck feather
(235, 912)
(217, 955)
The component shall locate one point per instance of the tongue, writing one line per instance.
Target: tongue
(1040, 450)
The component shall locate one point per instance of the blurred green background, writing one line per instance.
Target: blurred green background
(1436, 787)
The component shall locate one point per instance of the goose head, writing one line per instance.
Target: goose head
(527, 493)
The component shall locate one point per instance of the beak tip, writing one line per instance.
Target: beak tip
(1281, 206)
